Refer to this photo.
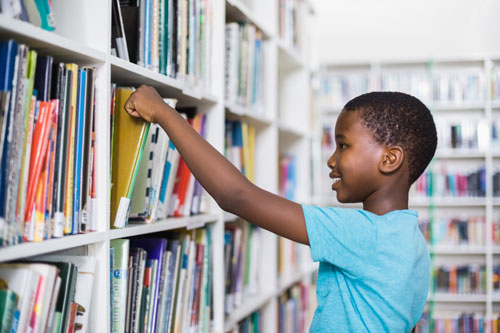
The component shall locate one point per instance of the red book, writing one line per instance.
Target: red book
(185, 175)
(38, 152)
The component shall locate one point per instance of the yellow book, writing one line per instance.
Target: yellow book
(130, 135)
(70, 167)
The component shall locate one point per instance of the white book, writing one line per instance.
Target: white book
(177, 318)
(24, 282)
(84, 282)
(188, 287)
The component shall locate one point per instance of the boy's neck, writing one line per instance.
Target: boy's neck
(383, 202)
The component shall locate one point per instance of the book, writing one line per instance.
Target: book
(85, 272)
(118, 38)
(8, 52)
(8, 302)
(70, 152)
(128, 144)
(62, 93)
(87, 222)
(79, 138)
(130, 15)
(24, 281)
(120, 278)
(155, 248)
(136, 304)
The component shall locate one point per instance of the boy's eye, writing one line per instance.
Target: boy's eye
(342, 145)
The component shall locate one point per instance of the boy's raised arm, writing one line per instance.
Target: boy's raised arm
(232, 191)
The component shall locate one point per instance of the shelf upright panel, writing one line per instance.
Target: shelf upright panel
(487, 67)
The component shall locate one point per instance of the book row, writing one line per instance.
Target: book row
(244, 60)
(171, 37)
(454, 322)
(463, 134)
(444, 182)
(51, 293)
(496, 183)
(161, 284)
(441, 86)
(463, 280)
(251, 324)
(47, 153)
(150, 181)
(239, 147)
(454, 231)
(292, 23)
(242, 243)
(287, 176)
(294, 309)
(37, 12)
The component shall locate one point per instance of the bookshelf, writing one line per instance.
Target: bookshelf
(459, 92)
(282, 124)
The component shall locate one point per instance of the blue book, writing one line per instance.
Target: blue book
(155, 247)
(80, 132)
(8, 52)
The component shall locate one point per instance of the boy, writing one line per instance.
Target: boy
(374, 264)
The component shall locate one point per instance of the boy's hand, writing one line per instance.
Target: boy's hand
(146, 103)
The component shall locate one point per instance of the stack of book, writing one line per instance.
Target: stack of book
(496, 279)
(462, 134)
(495, 234)
(244, 66)
(416, 83)
(463, 280)
(37, 12)
(495, 84)
(47, 154)
(454, 321)
(241, 267)
(496, 183)
(251, 324)
(458, 86)
(447, 183)
(150, 181)
(287, 176)
(50, 294)
(455, 231)
(337, 89)
(292, 24)
(162, 284)
(293, 310)
(240, 146)
(171, 37)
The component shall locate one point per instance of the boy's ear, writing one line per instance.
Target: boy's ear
(392, 159)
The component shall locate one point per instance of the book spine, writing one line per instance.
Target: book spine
(120, 278)
(70, 166)
(79, 136)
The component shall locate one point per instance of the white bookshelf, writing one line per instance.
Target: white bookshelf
(83, 34)
(484, 108)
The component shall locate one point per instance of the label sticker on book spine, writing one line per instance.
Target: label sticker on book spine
(121, 214)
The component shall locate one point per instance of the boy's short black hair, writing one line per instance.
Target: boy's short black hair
(397, 118)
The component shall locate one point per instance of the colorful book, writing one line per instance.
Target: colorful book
(155, 248)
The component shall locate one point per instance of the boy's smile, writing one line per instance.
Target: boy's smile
(354, 164)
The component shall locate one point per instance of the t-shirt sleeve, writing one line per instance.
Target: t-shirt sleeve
(345, 238)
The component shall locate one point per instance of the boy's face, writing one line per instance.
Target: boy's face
(354, 164)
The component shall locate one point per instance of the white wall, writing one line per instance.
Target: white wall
(352, 31)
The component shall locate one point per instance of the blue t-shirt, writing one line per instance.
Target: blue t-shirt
(373, 272)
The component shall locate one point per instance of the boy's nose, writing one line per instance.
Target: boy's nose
(331, 161)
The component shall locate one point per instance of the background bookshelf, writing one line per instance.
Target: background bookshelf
(457, 222)
(281, 119)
